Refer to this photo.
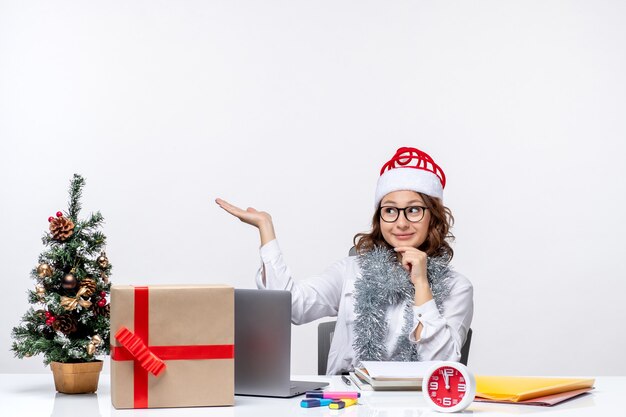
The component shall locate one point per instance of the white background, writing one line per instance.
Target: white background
(292, 107)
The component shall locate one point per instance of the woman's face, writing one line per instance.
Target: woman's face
(403, 232)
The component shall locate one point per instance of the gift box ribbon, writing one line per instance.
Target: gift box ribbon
(148, 358)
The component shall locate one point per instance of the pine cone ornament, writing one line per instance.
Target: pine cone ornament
(61, 228)
(102, 311)
(90, 286)
(65, 324)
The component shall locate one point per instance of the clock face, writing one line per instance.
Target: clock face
(447, 387)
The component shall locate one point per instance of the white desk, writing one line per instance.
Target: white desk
(23, 395)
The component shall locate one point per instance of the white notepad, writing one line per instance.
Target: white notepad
(396, 370)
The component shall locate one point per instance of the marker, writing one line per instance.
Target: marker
(346, 380)
(339, 404)
(315, 402)
(333, 395)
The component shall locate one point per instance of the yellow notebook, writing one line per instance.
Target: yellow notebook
(519, 388)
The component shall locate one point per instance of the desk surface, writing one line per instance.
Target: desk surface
(23, 395)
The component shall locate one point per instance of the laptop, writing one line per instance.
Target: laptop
(263, 345)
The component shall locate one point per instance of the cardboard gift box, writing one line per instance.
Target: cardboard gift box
(172, 346)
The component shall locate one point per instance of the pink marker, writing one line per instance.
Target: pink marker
(333, 395)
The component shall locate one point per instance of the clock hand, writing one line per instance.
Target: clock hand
(446, 378)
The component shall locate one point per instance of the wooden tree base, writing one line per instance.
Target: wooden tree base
(76, 378)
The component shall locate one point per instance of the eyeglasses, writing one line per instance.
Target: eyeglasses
(390, 214)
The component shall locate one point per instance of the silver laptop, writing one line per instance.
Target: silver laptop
(263, 345)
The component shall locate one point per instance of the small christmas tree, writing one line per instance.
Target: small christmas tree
(70, 323)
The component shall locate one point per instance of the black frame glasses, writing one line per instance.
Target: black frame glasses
(398, 210)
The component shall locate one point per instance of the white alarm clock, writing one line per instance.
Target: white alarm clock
(449, 387)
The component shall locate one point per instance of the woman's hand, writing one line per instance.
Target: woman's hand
(414, 261)
(259, 219)
(250, 215)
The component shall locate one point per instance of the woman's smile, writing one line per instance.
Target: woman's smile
(403, 236)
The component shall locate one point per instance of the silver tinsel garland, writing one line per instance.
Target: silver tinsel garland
(385, 283)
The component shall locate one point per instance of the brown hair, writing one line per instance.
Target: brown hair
(437, 241)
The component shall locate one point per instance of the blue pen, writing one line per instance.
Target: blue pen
(315, 402)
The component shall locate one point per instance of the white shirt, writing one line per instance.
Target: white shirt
(331, 294)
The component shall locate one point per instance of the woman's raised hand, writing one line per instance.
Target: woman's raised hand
(259, 219)
(250, 215)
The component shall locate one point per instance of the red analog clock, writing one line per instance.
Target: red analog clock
(449, 387)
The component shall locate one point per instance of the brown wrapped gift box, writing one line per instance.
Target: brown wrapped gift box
(192, 316)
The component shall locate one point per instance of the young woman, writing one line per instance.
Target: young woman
(398, 299)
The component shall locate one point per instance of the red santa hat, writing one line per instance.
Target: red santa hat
(413, 170)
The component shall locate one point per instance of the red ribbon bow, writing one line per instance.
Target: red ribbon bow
(148, 360)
